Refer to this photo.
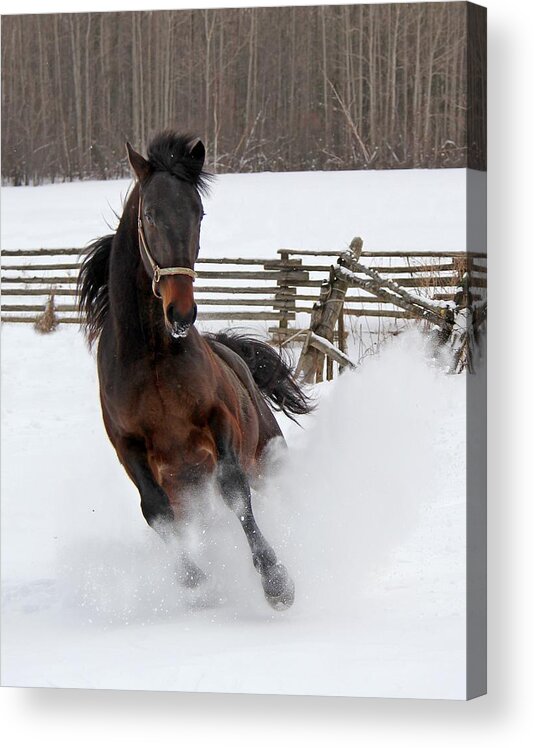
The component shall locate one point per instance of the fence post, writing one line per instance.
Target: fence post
(284, 286)
(324, 317)
(319, 356)
(341, 333)
(285, 301)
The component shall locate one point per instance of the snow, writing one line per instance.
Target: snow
(253, 215)
(367, 509)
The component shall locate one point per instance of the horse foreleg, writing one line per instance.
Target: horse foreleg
(155, 505)
(235, 489)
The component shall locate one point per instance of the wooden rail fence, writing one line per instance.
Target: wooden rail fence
(282, 289)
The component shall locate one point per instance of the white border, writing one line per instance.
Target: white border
(92, 718)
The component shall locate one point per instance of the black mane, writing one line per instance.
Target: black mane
(93, 289)
(169, 151)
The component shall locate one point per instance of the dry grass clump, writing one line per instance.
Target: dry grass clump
(47, 321)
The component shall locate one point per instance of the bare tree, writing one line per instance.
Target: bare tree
(331, 87)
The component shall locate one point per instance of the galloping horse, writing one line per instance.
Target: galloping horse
(180, 408)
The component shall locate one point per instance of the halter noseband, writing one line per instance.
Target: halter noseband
(157, 272)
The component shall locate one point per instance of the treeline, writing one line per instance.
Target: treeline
(292, 88)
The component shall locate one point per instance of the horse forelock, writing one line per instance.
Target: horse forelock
(170, 151)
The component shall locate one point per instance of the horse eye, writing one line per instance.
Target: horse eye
(149, 218)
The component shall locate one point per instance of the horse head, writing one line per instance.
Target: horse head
(169, 215)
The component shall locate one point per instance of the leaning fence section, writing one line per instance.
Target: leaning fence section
(434, 277)
(443, 291)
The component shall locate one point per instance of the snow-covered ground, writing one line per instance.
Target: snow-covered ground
(253, 215)
(367, 510)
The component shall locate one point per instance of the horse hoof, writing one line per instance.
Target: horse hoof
(191, 576)
(279, 588)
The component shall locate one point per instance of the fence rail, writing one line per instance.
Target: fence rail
(279, 289)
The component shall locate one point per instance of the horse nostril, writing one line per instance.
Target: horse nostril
(170, 313)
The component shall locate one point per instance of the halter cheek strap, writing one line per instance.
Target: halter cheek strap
(157, 272)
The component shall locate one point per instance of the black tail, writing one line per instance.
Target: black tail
(93, 291)
(271, 372)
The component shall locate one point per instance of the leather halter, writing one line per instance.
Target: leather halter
(157, 272)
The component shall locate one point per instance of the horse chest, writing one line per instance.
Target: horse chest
(179, 442)
(168, 404)
(151, 399)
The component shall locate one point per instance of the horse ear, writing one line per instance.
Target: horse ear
(140, 166)
(197, 152)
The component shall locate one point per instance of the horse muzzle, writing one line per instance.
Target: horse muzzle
(179, 306)
(177, 324)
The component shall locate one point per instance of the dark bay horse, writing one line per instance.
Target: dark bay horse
(179, 407)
